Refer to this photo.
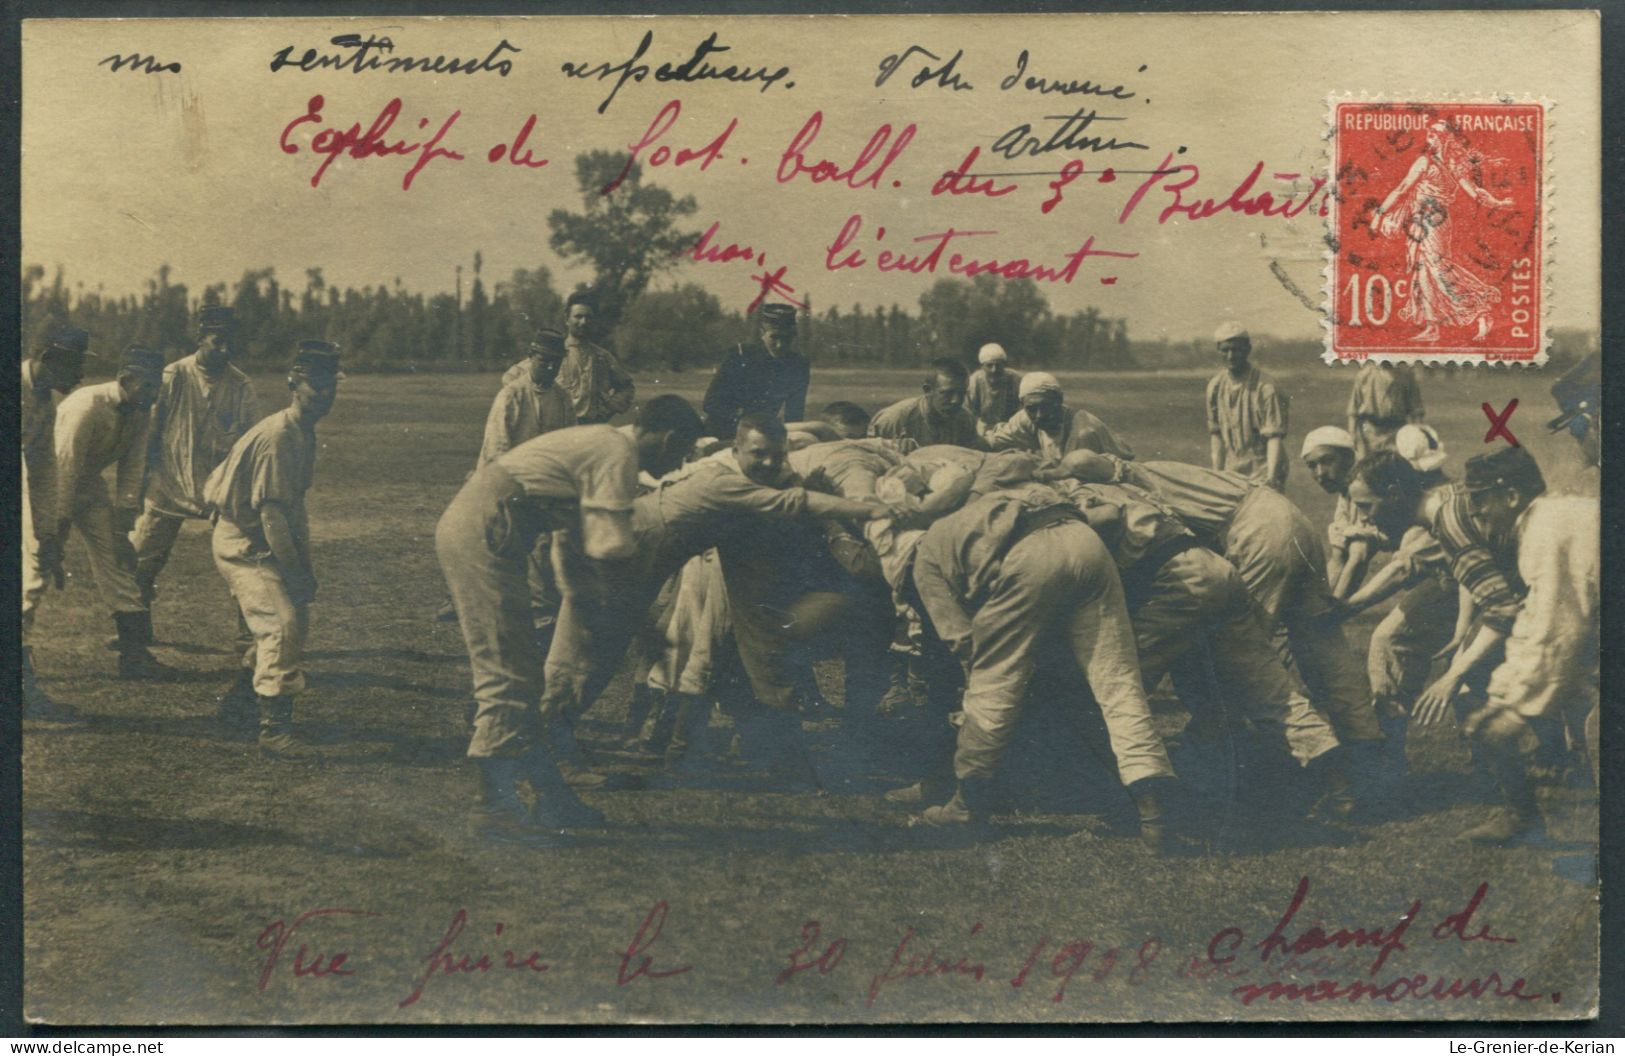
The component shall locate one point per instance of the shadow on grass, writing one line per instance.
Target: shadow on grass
(416, 656)
(117, 833)
(344, 680)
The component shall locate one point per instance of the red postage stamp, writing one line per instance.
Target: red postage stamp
(1438, 228)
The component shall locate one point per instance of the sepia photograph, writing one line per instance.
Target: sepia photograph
(623, 521)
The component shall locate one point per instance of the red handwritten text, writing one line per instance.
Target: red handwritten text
(906, 965)
(443, 961)
(645, 937)
(794, 163)
(277, 935)
(661, 155)
(840, 254)
(335, 142)
(1175, 180)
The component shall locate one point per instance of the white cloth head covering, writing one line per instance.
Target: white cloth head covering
(1036, 381)
(1420, 446)
(991, 353)
(1229, 332)
(1327, 436)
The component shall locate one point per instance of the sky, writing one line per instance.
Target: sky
(124, 170)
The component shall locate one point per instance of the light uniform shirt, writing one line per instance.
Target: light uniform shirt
(196, 420)
(1552, 653)
(94, 430)
(913, 419)
(1206, 500)
(1080, 431)
(852, 467)
(707, 504)
(1386, 395)
(589, 374)
(1245, 414)
(37, 425)
(992, 403)
(521, 412)
(275, 461)
(959, 558)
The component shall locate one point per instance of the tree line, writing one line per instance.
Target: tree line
(627, 239)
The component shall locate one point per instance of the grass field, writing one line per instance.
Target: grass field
(167, 868)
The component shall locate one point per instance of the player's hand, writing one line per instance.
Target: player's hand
(1341, 610)
(1435, 702)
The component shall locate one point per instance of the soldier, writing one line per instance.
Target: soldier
(57, 366)
(1550, 670)
(846, 419)
(96, 427)
(599, 385)
(262, 544)
(1180, 593)
(1281, 561)
(1403, 498)
(996, 577)
(1048, 428)
(579, 484)
(766, 376)
(204, 406)
(994, 392)
(1579, 398)
(1385, 397)
(937, 417)
(1246, 414)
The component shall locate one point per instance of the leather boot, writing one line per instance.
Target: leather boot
(239, 704)
(1337, 800)
(567, 757)
(36, 704)
(497, 813)
(967, 806)
(277, 737)
(898, 700)
(557, 805)
(1151, 801)
(689, 751)
(135, 660)
(1520, 819)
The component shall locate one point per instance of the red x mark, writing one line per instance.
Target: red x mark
(1498, 423)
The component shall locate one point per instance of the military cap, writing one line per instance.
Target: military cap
(137, 360)
(216, 318)
(1578, 391)
(68, 339)
(1231, 332)
(1509, 467)
(547, 343)
(584, 295)
(777, 315)
(316, 357)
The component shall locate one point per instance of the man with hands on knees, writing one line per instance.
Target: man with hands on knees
(262, 544)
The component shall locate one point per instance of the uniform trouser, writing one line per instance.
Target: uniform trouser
(155, 535)
(700, 623)
(112, 559)
(544, 587)
(484, 555)
(1058, 579)
(33, 579)
(1402, 647)
(1279, 557)
(1198, 593)
(279, 624)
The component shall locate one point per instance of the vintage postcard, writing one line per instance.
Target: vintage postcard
(1053, 518)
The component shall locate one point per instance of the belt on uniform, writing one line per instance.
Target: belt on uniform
(1138, 577)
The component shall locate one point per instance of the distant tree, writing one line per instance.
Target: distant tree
(627, 236)
(676, 328)
(477, 304)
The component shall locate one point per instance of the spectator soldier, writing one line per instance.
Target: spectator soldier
(765, 376)
(1246, 414)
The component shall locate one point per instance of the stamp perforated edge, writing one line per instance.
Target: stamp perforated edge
(1548, 242)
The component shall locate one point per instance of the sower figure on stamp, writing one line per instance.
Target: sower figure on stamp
(937, 417)
(58, 365)
(204, 406)
(765, 376)
(96, 427)
(262, 545)
(999, 576)
(1550, 668)
(994, 391)
(1048, 427)
(1246, 414)
(1385, 397)
(578, 484)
